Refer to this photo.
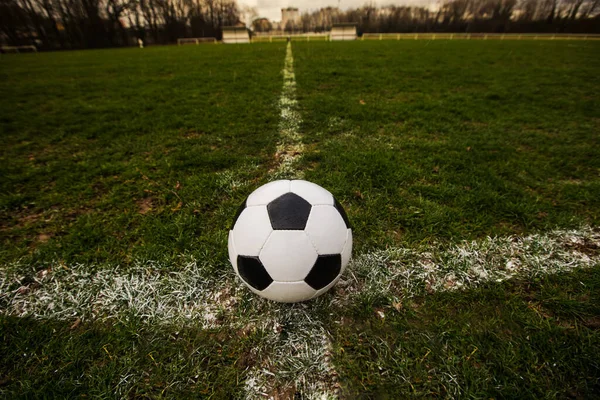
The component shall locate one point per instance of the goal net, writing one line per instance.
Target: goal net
(196, 40)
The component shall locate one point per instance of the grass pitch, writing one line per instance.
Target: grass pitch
(122, 169)
(116, 155)
(428, 141)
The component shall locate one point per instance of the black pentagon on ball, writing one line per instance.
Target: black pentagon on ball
(289, 212)
(253, 272)
(341, 210)
(325, 270)
(241, 208)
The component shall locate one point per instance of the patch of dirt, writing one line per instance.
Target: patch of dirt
(29, 219)
(286, 393)
(28, 288)
(44, 237)
(289, 152)
(585, 246)
(592, 323)
(191, 133)
(246, 330)
(246, 360)
(145, 205)
(75, 324)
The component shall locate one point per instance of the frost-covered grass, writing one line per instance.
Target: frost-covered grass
(471, 183)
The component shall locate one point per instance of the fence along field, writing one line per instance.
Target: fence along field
(404, 36)
(394, 151)
(484, 36)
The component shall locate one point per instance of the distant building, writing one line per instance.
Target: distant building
(290, 14)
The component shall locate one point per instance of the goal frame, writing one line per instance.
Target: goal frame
(196, 41)
(17, 49)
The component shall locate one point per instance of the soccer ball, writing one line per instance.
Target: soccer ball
(290, 241)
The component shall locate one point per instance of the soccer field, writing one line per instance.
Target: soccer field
(470, 171)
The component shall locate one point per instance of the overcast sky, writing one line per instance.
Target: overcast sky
(271, 9)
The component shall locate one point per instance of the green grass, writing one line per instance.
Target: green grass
(115, 158)
(446, 140)
(522, 339)
(115, 155)
(51, 358)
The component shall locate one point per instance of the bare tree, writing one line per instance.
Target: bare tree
(97, 23)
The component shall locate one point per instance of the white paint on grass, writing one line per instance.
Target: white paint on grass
(295, 353)
(399, 272)
(294, 356)
(290, 148)
(146, 292)
(169, 293)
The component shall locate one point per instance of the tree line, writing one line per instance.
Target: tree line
(485, 16)
(70, 24)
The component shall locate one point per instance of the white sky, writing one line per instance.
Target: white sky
(271, 9)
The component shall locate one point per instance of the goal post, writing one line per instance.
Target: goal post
(18, 49)
(182, 41)
(344, 31)
(235, 34)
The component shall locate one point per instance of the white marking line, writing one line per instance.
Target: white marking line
(297, 351)
(290, 148)
(399, 272)
(294, 356)
(148, 292)
(144, 291)
(301, 357)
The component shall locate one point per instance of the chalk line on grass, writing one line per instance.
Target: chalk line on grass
(295, 355)
(294, 352)
(290, 148)
(160, 293)
(400, 272)
(150, 292)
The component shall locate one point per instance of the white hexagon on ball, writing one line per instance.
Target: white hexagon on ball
(288, 256)
(327, 229)
(291, 241)
(251, 230)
